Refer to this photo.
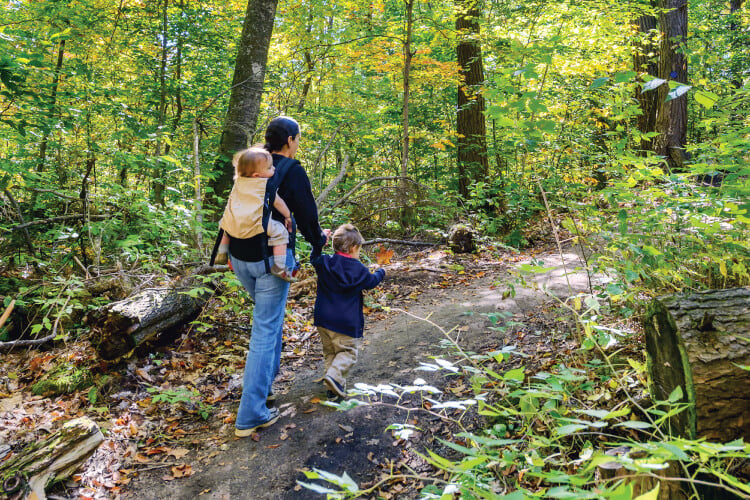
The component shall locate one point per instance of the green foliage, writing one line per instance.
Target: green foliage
(189, 399)
(547, 432)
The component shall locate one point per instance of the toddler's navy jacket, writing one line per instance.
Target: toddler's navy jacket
(339, 303)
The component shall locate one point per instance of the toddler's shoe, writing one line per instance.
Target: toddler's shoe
(334, 386)
(283, 273)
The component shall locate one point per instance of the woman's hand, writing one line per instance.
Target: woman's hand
(288, 223)
(327, 232)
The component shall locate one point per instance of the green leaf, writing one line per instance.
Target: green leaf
(652, 84)
(651, 495)
(675, 451)
(570, 429)
(517, 374)
(676, 395)
(598, 82)
(705, 98)
(679, 91)
(634, 424)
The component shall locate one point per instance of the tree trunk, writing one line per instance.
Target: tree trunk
(407, 211)
(122, 326)
(247, 87)
(473, 164)
(51, 460)
(695, 342)
(735, 28)
(53, 105)
(644, 63)
(160, 172)
(671, 119)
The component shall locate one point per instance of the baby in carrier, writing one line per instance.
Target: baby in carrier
(243, 215)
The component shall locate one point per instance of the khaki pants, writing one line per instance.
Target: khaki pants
(339, 353)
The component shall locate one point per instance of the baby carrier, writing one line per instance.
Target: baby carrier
(270, 196)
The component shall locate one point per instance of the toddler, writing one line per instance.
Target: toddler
(338, 306)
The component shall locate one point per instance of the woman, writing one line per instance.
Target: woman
(268, 291)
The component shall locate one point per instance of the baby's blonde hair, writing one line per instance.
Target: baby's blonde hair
(248, 161)
(346, 237)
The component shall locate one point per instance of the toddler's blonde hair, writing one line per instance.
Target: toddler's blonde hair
(345, 237)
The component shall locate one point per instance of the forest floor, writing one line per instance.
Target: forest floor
(164, 449)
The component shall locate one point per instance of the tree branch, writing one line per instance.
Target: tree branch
(52, 220)
(334, 182)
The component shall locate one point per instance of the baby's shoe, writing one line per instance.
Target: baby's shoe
(283, 273)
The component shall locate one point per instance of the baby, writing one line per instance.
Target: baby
(243, 215)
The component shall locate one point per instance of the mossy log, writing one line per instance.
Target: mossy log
(142, 318)
(699, 342)
(63, 379)
(50, 460)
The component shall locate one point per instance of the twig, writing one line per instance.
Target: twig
(557, 237)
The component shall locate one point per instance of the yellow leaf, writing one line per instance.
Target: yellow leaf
(723, 268)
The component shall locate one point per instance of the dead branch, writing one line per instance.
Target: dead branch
(334, 182)
(56, 193)
(325, 149)
(7, 312)
(400, 242)
(53, 220)
(25, 343)
(367, 181)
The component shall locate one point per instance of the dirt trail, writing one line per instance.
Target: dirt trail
(310, 435)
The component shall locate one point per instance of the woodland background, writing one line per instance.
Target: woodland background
(623, 123)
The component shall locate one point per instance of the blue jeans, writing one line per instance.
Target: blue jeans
(264, 353)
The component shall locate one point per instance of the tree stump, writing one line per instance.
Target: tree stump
(696, 341)
(144, 317)
(50, 460)
(462, 239)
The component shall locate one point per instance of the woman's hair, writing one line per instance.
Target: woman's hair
(248, 161)
(346, 237)
(278, 132)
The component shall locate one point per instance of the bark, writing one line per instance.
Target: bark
(52, 459)
(247, 87)
(145, 317)
(162, 111)
(736, 43)
(671, 118)
(473, 164)
(53, 105)
(462, 239)
(695, 342)
(645, 63)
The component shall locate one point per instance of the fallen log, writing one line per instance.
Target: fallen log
(700, 342)
(146, 316)
(48, 461)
